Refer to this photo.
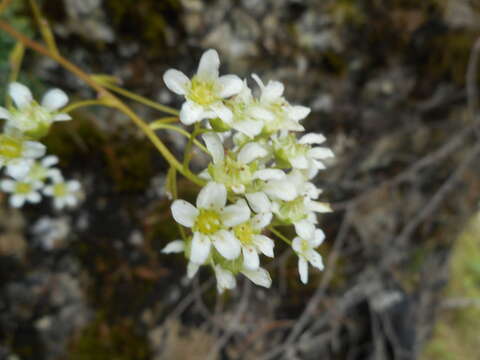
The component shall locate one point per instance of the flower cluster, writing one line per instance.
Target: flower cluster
(30, 173)
(260, 176)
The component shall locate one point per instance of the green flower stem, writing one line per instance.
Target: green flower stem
(141, 99)
(44, 27)
(80, 104)
(165, 120)
(187, 154)
(279, 235)
(185, 133)
(108, 98)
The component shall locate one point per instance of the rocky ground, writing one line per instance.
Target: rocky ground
(387, 84)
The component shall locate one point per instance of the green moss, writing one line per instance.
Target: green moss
(456, 333)
(101, 341)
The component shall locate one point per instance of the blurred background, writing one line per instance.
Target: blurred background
(392, 85)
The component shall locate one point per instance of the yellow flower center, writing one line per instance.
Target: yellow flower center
(208, 222)
(304, 246)
(203, 92)
(10, 148)
(23, 188)
(59, 190)
(244, 232)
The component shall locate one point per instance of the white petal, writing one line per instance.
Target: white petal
(49, 160)
(192, 269)
(260, 277)
(17, 201)
(303, 270)
(191, 113)
(321, 153)
(20, 94)
(230, 85)
(200, 248)
(298, 112)
(318, 237)
(259, 112)
(48, 190)
(223, 112)
(213, 196)
(273, 91)
(299, 162)
(176, 81)
(176, 246)
(214, 146)
(264, 244)
(305, 229)
(236, 214)
(34, 197)
(18, 169)
(184, 213)
(315, 259)
(251, 128)
(250, 152)
(250, 258)
(54, 99)
(269, 174)
(61, 117)
(297, 244)
(226, 244)
(7, 185)
(259, 81)
(312, 138)
(209, 64)
(261, 220)
(33, 149)
(279, 189)
(259, 202)
(318, 206)
(73, 185)
(225, 279)
(4, 113)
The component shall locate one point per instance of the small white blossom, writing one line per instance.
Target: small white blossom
(15, 152)
(22, 191)
(29, 117)
(252, 241)
(64, 193)
(304, 245)
(205, 92)
(286, 116)
(38, 170)
(209, 221)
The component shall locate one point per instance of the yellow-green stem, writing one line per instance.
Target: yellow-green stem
(80, 104)
(279, 235)
(180, 131)
(109, 98)
(141, 99)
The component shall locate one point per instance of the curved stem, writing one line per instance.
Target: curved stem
(180, 131)
(108, 98)
(279, 235)
(80, 104)
(141, 99)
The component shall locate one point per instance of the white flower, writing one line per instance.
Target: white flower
(15, 152)
(299, 154)
(248, 114)
(309, 238)
(237, 170)
(21, 191)
(37, 170)
(209, 221)
(29, 117)
(252, 241)
(286, 116)
(64, 193)
(205, 92)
